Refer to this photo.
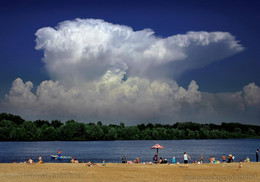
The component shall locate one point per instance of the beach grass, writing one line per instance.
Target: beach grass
(128, 172)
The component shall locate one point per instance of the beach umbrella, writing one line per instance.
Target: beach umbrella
(157, 146)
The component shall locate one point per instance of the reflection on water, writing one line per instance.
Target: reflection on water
(112, 151)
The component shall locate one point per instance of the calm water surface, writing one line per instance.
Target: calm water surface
(112, 151)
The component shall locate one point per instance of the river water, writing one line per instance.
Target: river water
(112, 151)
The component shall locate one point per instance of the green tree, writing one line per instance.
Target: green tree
(19, 134)
(46, 132)
(6, 127)
(30, 129)
(10, 117)
(111, 134)
(56, 123)
(72, 131)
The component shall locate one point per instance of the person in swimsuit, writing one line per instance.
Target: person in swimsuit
(186, 158)
(240, 165)
(223, 158)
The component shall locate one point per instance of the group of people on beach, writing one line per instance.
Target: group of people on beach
(186, 158)
(30, 161)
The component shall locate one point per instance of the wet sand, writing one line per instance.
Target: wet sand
(129, 172)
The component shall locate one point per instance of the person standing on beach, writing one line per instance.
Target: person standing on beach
(173, 160)
(223, 158)
(201, 158)
(240, 165)
(123, 159)
(257, 155)
(59, 153)
(185, 159)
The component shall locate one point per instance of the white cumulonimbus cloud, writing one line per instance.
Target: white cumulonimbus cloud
(108, 72)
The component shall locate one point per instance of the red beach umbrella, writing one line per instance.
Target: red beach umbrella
(157, 146)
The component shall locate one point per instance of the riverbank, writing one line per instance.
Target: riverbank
(21, 172)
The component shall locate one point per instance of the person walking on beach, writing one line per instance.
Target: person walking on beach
(185, 159)
(257, 155)
(201, 158)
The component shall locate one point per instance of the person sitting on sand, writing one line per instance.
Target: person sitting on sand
(229, 158)
(72, 160)
(40, 160)
(137, 160)
(213, 159)
(160, 161)
(210, 160)
(30, 161)
(155, 158)
(201, 158)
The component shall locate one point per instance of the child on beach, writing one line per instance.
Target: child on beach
(223, 158)
(173, 160)
(213, 159)
(247, 159)
(137, 160)
(240, 165)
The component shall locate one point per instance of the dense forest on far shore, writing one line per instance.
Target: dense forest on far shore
(15, 128)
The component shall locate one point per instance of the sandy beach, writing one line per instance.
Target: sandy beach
(129, 172)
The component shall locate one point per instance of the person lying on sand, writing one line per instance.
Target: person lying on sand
(74, 160)
(89, 164)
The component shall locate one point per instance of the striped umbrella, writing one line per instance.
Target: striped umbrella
(157, 146)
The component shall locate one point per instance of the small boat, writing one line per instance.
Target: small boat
(60, 157)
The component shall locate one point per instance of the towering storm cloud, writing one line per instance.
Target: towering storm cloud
(108, 72)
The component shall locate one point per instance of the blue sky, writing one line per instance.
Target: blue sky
(229, 74)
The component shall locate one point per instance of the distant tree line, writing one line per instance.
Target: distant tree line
(14, 128)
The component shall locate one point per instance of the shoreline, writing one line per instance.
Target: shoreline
(129, 172)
